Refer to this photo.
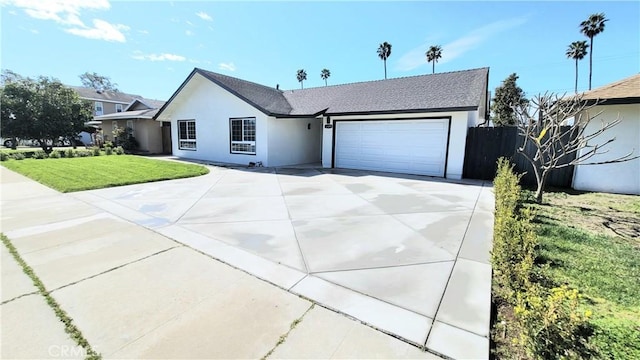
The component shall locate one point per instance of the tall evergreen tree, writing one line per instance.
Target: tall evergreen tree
(507, 96)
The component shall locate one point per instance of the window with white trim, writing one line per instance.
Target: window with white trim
(119, 108)
(187, 134)
(243, 135)
(98, 108)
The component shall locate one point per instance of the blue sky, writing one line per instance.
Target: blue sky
(149, 48)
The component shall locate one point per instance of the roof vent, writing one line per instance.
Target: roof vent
(277, 86)
(99, 91)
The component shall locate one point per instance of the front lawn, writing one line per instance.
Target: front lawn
(96, 172)
(590, 242)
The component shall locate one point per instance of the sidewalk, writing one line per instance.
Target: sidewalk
(134, 293)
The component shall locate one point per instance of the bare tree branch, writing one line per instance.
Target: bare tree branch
(543, 124)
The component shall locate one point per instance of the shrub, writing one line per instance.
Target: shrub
(83, 153)
(551, 323)
(108, 151)
(119, 150)
(514, 238)
(4, 156)
(40, 154)
(95, 151)
(69, 153)
(130, 143)
(108, 144)
(56, 154)
(18, 156)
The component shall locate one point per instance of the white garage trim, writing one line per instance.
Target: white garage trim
(405, 145)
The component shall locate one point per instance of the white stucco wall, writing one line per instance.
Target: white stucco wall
(460, 121)
(620, 177)
(211, 107)
(294, 141)
(327, 143)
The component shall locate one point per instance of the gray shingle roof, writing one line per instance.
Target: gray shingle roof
(91, 93)
(267, 99)
(457, 90)
(452, 90)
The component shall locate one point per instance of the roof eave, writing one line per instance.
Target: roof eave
(405, 111)
(613, 101)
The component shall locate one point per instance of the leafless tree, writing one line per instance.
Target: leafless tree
(550, 141)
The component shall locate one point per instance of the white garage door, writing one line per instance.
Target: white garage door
(400, 146)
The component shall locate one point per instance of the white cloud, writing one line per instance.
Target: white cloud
(204, 16)
(450, 51)
(158, 57)
(68, 14)
(189, 23)
(189, 33)
(144, 32)
(227, 66)
(101, 30)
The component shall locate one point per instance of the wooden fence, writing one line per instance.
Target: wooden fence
(485, 145)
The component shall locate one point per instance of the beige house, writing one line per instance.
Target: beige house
(105, 102)
(153, 137)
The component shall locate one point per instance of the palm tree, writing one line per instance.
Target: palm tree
(324, 74)
(433, 55)
(302, 76)
(577, 51)
(591, 27)
(384, 51)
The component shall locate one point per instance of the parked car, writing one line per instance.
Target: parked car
(82, 139)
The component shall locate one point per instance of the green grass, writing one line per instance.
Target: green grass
(76, 174)
(577, 248)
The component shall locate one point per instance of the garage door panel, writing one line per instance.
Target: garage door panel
(404, 146)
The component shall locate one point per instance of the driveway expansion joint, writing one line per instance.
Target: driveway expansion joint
(284, 336)
(115, 268)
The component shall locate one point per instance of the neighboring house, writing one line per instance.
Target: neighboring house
(619, 99)
(105, 102)
(138, 116)
(413, 125)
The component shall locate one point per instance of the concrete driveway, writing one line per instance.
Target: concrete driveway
(407, 255)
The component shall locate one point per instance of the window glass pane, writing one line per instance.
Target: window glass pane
(191, 130)
(182, 129)
(249, 130)
(236, 130)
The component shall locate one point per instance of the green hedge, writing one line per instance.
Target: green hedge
(549, 321)
(56, 154)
